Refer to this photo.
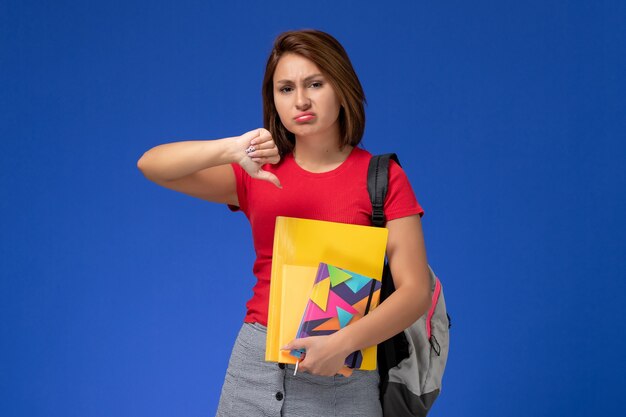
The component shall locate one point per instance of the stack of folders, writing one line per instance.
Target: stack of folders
(325, 276)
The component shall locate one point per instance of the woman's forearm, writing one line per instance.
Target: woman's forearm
(396, 313)
(175, 160)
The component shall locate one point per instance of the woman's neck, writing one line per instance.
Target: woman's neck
(319, 155)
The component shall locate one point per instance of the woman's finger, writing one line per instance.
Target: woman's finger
(263, 145)
(263, 153)
(266, 144)
(252, 135)
(267, 160)
(263, 136)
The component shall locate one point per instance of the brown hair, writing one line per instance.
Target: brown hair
(331, 58)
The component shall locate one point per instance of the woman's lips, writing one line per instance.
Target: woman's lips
(304, 117)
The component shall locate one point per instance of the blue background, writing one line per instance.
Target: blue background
(122, 298)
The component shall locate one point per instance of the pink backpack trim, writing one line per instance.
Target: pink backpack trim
(431, 311)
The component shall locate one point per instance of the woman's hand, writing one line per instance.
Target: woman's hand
(322, 357)
(256, 149)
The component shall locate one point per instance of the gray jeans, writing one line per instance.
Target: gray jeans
(253, 387)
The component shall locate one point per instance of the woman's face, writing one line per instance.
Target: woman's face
(305, 101)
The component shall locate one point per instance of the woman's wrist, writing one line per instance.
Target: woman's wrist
(341, 343)
(232, 151)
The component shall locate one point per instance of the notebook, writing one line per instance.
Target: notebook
(338, 298)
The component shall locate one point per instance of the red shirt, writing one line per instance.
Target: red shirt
(339, 195)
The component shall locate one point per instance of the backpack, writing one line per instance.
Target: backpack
(411, 363)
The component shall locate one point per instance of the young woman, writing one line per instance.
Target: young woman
(304, 163)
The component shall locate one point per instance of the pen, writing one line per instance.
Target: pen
(295, 371)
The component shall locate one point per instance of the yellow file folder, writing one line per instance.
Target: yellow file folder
(299, 246)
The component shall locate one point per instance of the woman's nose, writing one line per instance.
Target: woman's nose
(302, 99)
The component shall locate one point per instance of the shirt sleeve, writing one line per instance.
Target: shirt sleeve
(400, 200)
(242, 181)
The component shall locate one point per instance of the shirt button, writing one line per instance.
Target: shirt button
(281, 365)
(279, 396)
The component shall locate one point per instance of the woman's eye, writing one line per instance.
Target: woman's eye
(316, 84)
(285, 89)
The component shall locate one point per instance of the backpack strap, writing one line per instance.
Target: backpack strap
(392, 350)
(377, 181)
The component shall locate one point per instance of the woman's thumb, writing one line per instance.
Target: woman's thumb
(268, 176)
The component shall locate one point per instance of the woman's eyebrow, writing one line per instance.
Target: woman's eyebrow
(305, 80)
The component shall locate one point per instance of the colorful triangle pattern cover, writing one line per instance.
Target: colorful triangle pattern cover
(338, 297)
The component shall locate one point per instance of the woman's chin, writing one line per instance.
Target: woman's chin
(304, 130)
